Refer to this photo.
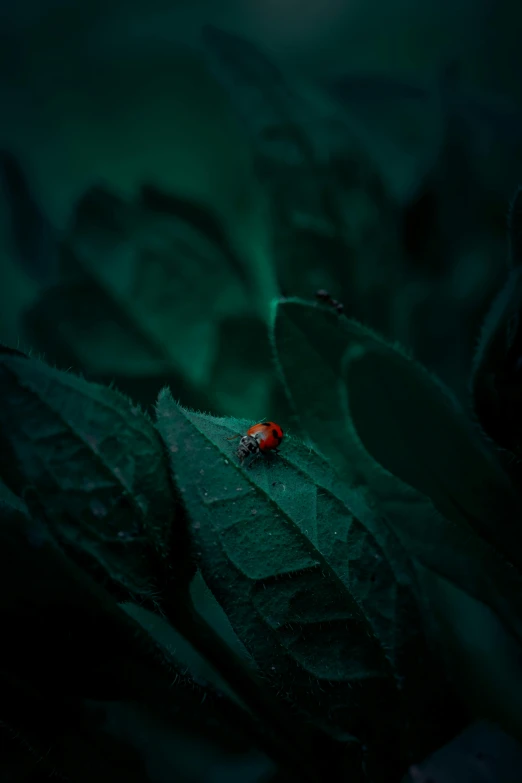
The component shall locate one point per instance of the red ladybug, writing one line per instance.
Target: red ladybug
(259, 439)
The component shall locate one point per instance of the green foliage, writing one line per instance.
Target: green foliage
(359, 594)
(381, 417)
(296, 559)
(153, 292)
(95, 462)
(371, 410)
(345, 564)
(150, 258)
(333, 225)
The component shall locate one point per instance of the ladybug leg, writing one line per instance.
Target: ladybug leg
(253, 458)
(233, 437)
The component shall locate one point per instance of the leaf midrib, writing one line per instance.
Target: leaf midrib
(313, 551)
(70, 428)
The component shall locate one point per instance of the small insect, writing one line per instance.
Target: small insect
(259, 439)
(324, 296)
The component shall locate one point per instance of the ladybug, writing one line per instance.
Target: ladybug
(259, 439)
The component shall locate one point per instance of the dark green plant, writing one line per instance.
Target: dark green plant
(153, 292)
(332, 223)
(366, 582)
(354, 567)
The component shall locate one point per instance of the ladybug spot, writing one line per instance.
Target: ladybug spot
(276, 434)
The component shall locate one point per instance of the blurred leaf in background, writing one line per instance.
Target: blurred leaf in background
(325, 604)
(152, 293)
(331, 221)
(452, 226)
(170, 271)
(33, 240)
(387, 426)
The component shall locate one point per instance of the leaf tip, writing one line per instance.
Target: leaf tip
(164, 399)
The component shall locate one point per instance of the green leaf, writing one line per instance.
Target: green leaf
(77, 324)
(172, 274)
(242, 377)
(319, 594)
(342, 380)
(29, 235)
(201, 218)
(333, 225)
(243, 382)
(96, 464)
(334, 229)
(274, 114)
(385, 421)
